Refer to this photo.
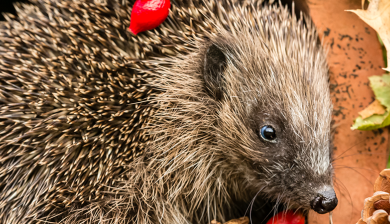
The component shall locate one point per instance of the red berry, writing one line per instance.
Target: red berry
(288, 217)
(148, 14)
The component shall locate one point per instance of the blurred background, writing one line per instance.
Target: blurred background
(7, 6)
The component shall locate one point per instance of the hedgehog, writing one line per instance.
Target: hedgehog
(222, 111)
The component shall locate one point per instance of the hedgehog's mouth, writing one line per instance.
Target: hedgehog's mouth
(264, 210)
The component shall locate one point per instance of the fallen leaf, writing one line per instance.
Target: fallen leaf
(371, 123)
(377, 207)
(382, 183)
(215, 222)
(374, 108)
(381, 87)
(379, 217)
(243, 220)
(377, 16)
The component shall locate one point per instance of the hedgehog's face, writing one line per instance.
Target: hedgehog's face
(275, 115)
(296, 169)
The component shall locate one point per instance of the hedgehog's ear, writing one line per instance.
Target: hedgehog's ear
(213, 70)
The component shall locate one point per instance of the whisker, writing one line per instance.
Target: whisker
(359, 142)
(352, 168)
(337, 181)
(275, 207)
(288, 205)
(251, 205)
(367, 153)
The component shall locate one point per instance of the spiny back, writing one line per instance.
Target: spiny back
(71, 105)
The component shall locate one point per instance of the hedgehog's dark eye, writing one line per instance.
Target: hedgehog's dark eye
(268, 133)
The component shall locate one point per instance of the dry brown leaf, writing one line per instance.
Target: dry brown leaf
(374, 108)
(369, 208)
(382, 183)
(215, 222)
(377, 16)
(361, 221)
(382, 204)
(377, 207)
(243, 220)
(379, 217)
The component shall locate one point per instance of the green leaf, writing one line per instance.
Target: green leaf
(371, 123)
(388, 163)
(381, 87)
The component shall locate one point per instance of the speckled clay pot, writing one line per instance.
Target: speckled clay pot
(354, 55)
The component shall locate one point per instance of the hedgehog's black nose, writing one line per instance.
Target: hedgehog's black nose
(324, 202)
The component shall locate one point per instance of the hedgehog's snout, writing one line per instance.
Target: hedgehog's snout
(325, 201)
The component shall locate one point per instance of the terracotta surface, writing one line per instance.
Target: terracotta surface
(354, 55)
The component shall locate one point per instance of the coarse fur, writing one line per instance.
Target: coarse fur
(101, 126)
